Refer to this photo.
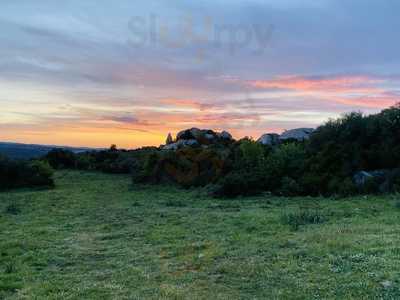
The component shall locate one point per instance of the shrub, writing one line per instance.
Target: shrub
(238, 184)
(354, 142)
(40, 173)
(392, 182)
(15, 174)
(340, 187)
(286, 161)
(84, 161)
(302, 217)
(313, 184)
(371, 186)
(347, 188)
(290, 187)
(187, 167)
(145, 171)
(252, 155)
(61, 159)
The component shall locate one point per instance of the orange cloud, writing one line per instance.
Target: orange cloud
(371, 102)
(186, 103)
(360, 84)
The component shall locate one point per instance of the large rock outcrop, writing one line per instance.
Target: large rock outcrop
(195, 137)
(181, 144)
(269, 139)
(298, 134)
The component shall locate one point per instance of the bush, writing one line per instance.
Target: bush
(15, 174)
(354, 142)
(347, 188)
(284, 163)
(40, 173)
(61, 159)
(289, 187)
(371, 186)
(252, 155)
(238, 184)
(145, 171)
(84, 161)
(340, 187)
(187, 167)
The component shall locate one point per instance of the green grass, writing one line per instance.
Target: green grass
(95, 236)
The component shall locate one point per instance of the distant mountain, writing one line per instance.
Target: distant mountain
(27, 151)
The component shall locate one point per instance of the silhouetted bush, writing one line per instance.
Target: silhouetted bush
(16, 174)
(290, 187)
(371, 186)
(237, 184)
(285, 161)
(61, 159)
(187, 167)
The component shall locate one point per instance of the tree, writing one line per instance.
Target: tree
(169, 139)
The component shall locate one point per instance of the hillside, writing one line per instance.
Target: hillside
(95, 236)
(28, 151)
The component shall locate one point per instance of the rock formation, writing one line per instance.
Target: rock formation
(269, 139)
(298, 134)
(195, 137)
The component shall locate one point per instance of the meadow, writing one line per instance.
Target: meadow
(98, 236)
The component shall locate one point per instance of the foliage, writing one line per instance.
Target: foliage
(187, 167)
(324, 165)
(16, 174)
(252, 155)
(290, 187)
(237, 184)
(353, 143)
(286, 161)
(61, 159)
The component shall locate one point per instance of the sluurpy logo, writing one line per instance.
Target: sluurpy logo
(203, 35)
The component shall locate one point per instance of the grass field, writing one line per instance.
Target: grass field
(95, 236)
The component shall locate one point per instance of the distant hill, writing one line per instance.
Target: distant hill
(27, 151)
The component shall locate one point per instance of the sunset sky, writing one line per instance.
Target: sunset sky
(95, 73)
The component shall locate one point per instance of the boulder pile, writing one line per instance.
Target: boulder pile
(298, 134)
(196, 137)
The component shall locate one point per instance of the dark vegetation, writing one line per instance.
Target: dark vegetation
(323, 165)
(16, 174)
(29, 151)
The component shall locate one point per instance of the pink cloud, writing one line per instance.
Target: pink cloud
(376, 102)
(359, 84)
(186, 103)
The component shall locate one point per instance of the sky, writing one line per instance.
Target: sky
(98, 72)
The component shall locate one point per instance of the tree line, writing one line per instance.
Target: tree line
(326, 164)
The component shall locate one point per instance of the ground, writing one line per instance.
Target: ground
(96, 236)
